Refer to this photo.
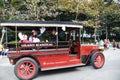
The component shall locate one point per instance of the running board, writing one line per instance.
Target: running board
(61, 67)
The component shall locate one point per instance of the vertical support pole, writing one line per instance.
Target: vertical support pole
(16, 37)
(6, 38)
(80, 43)
(3, 33)
(57, 37)
(83, 34)
(95, 34)
(106, 32)
(73, 34)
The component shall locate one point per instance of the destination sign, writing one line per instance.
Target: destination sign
(36, 44)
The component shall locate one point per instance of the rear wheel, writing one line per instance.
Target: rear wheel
(26, 68)
(97, 60)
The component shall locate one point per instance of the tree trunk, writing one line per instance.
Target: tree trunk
(106, 32)
(95, 34)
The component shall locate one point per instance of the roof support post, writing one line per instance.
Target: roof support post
(3, 33)
(80, 42)
(57, 37)
(16, 37)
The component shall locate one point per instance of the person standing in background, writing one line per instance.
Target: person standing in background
(114, 44)
(1, 49)
(118, 45)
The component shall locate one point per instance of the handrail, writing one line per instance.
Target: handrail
(38, 45)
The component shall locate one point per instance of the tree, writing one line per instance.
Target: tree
(110, 18)
(92, 13)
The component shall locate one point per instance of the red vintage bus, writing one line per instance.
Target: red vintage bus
(65, 50)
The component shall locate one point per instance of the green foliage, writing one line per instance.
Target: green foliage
(1, 3)
(92, 13)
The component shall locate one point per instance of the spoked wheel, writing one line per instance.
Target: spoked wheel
(26, 68)
(98, 60)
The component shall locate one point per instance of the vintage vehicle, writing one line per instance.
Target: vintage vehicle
(64, 51)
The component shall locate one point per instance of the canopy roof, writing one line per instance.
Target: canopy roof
(25, 24)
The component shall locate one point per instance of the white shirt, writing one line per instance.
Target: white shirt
(33, 39)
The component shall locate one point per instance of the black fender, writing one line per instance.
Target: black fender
(87, 58)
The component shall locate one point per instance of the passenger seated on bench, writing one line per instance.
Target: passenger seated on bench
(53, 35)
(23, 38)
(34, 37)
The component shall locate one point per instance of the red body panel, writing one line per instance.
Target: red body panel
(57, 60)
(87, 48)
(48, 58)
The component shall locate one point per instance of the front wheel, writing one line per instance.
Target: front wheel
(26, 68)
(97, 60)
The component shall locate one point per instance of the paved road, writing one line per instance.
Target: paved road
(110, 71)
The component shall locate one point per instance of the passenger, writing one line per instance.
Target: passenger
(34, 37)
(23, 38)
(53, 36)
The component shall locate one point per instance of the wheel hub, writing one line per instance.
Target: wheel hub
(26, 68)
(98, 60)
